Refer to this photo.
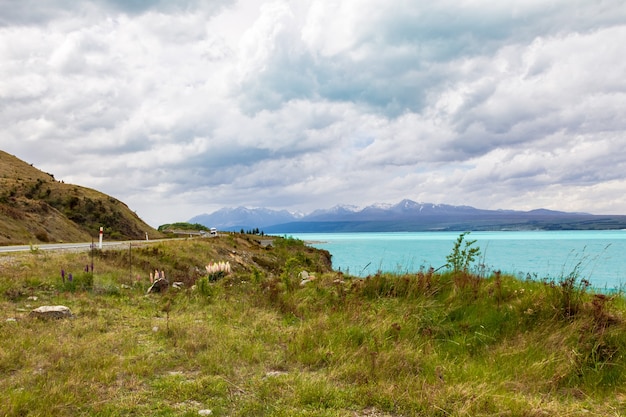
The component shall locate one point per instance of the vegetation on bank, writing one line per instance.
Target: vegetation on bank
(182, 226)
(268, 340)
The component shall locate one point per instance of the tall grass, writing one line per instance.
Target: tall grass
(258, 342)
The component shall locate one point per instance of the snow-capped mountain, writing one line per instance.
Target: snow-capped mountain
(407, 215)
(229, 218)
(332, 214)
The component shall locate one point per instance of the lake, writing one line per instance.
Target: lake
(598, 256)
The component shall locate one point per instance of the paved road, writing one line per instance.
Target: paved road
(75, 246)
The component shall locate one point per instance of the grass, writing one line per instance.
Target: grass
(256, 342)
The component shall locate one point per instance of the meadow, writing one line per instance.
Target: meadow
(261, 341)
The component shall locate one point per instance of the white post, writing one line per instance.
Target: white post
(100, 243)
(146, 235)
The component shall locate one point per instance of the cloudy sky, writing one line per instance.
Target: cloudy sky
(181, 107)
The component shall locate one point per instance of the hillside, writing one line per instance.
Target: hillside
(36, 208)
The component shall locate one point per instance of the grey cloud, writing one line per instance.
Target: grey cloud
(30, 12)
(35, 12)
(407, 53)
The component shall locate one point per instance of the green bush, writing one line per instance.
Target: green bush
(463, 254)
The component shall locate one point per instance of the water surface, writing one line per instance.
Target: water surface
(599, 256)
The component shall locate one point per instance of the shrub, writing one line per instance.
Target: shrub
(42, 237)
(463, 254)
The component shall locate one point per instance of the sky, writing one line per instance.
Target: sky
(182, 107)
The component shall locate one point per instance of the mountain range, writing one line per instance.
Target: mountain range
(407, 215)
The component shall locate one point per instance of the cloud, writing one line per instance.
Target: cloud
(300, 105)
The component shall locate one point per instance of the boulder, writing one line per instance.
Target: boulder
(51, 312)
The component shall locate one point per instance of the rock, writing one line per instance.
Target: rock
(178, 285)
(205, 412)
(51, 312)
(305, 277)
(160, 285)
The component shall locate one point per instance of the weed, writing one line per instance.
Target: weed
(460, 260)
(34, 249)
(82, 281)
(463, 254)
(205, 287)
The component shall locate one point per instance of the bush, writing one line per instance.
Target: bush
(463, 254)
(42, 237)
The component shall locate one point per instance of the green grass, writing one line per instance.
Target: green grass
(258, 343)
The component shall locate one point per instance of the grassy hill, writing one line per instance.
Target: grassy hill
(260, 342)
(34, 208)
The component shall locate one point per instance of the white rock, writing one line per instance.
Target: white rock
(51, 312)
(205, 412)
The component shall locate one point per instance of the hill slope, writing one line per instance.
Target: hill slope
(34, 207)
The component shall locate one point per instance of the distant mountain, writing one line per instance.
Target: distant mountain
(34, 208)
(244, 218)
(407, 215)
(333, 214)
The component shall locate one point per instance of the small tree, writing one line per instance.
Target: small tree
(462, 255)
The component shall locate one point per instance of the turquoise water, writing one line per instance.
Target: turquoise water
(599, 256)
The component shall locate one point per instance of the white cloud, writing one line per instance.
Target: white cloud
(300, 105)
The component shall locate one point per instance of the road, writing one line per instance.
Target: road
(75, 246)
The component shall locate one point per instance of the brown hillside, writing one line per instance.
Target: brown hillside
(35, 208)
